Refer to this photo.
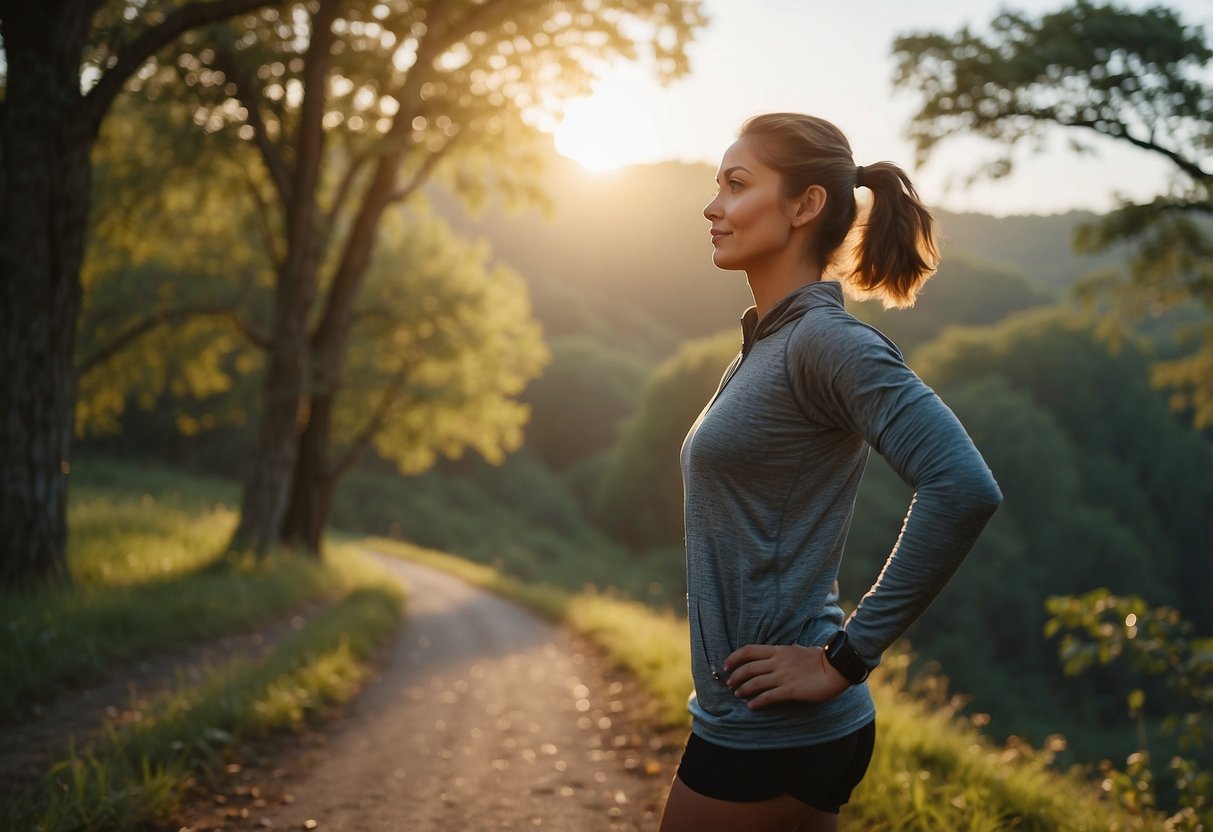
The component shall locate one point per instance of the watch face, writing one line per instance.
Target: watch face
(844, 658)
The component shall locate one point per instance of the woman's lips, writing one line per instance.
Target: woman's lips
(717, 236)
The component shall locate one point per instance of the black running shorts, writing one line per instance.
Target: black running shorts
(820, 775)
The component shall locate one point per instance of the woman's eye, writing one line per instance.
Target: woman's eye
(734, 184)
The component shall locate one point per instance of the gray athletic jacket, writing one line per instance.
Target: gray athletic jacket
(770, 471)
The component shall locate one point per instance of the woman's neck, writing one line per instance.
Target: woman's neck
(771, 285)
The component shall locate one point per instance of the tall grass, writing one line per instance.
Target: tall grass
(136, 775)
(932, 770)
(145, 554)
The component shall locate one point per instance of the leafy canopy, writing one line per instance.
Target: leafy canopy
(449, 335)
(1131, 77)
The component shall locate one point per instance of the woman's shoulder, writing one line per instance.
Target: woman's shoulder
(831, 335)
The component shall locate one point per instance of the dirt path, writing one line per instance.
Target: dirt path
(483, 717)
(28, 746)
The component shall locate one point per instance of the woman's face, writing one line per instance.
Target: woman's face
(751, 220)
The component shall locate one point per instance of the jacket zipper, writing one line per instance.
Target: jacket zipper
(704, 642)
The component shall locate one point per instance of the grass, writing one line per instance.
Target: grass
(136, 776)
(147, 577)
(932, 770)
(651, 645)
(145, 554)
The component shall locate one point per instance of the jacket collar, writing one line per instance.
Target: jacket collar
(789, 308)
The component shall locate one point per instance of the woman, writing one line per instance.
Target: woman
(782, 721)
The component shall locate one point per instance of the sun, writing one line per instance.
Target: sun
(615, 126)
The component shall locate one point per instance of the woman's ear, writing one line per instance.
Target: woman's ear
(808, 206)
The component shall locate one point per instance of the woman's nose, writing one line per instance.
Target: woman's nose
(711, 211)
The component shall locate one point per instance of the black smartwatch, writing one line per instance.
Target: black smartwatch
(844, 658)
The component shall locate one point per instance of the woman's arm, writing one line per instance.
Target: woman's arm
(848, 374)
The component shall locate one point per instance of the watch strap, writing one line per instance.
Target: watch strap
(842, 656)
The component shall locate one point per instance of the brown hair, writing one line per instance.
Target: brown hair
(895, 251)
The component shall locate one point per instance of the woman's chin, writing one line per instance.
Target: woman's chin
(722, 261)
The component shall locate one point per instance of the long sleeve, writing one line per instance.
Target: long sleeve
(847, 375)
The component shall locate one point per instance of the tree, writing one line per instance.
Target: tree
(1139, 464)
(1099, 628)
(48, 125)
(352, 106)
(441, 343)
(1138, 78)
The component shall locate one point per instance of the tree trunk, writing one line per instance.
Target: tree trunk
(44, 190)
(314, 483)
(274, 457)
(316, 475)
(267, 487)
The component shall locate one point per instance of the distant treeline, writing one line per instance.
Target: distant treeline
(1105, 486)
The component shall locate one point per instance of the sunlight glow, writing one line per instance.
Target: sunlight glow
(617, 125)
(806, 57)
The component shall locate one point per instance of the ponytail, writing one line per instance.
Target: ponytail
(894, 250)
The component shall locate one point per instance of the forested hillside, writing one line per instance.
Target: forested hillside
(1105, 486)
(626, 255)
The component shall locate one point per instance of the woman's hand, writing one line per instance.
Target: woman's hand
(763, 674)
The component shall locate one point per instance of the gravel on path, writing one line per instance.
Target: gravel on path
(483, 716)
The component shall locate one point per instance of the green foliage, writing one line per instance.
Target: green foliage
(580, 399)
(336, 111)
(407, 79)
(138, 774)
(1133, 77)
(963, 292)
(178, 295)
(1130, 450)
(1100, 479)
(1100, 628)
(1119, 72)
(176, 281)
(640, 497)
(445, 342)
(145, 551)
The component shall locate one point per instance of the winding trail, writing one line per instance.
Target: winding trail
(482, 717)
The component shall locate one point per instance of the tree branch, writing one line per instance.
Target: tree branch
(301, 209)
(165, 317)
(134, 54)
(1186, 165)
(481, 16)
(256, 338)
(432, 45)
(250, 95)
(343, 190)
(375, 422)
(263, 219)
(423, 173)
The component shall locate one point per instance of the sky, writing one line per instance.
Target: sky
(832, 59)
